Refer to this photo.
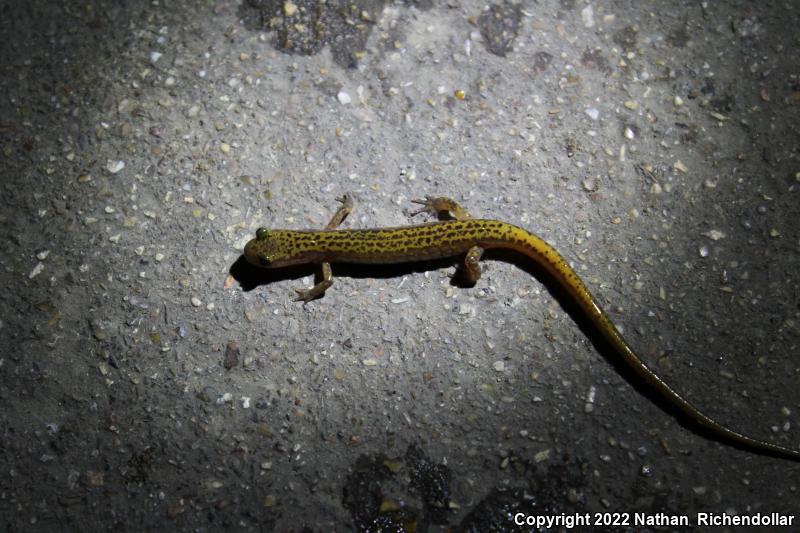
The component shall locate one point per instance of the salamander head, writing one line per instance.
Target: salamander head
(270, 249)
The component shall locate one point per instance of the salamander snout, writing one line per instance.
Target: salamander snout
(273, 249)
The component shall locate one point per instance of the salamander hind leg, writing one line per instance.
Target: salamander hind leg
(345, 209)
(441, 207)
(471, 269)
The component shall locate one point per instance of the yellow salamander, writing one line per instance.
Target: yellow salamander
(464, 236)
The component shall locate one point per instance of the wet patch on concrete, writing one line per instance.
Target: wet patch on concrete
(304, 27)
(499, 26)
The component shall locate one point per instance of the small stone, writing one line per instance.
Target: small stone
(677, 101)
(114, 166)
(232, 352)
(36, 270)
(225, 148)
(589, 184)
(388, 506)
(593, 113)
(678, 165)
(543, 455)
(591, 394)
(369, 362)
(714, 235)
(499, 366)
(393, 466)
(155, 56)
(196, 302)
(225, 398)
(587, 16)
(289, 9)
(343, 98)
(466, 309)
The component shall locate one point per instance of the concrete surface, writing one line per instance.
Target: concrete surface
(144, 388)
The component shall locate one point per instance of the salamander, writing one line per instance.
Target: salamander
(458, 234)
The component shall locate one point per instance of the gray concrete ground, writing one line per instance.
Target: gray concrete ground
(150, 382)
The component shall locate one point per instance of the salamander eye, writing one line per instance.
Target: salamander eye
(264, 260)
(261, 233)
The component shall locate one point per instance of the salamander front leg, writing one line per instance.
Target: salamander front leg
(306, 295)
(442, 208)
